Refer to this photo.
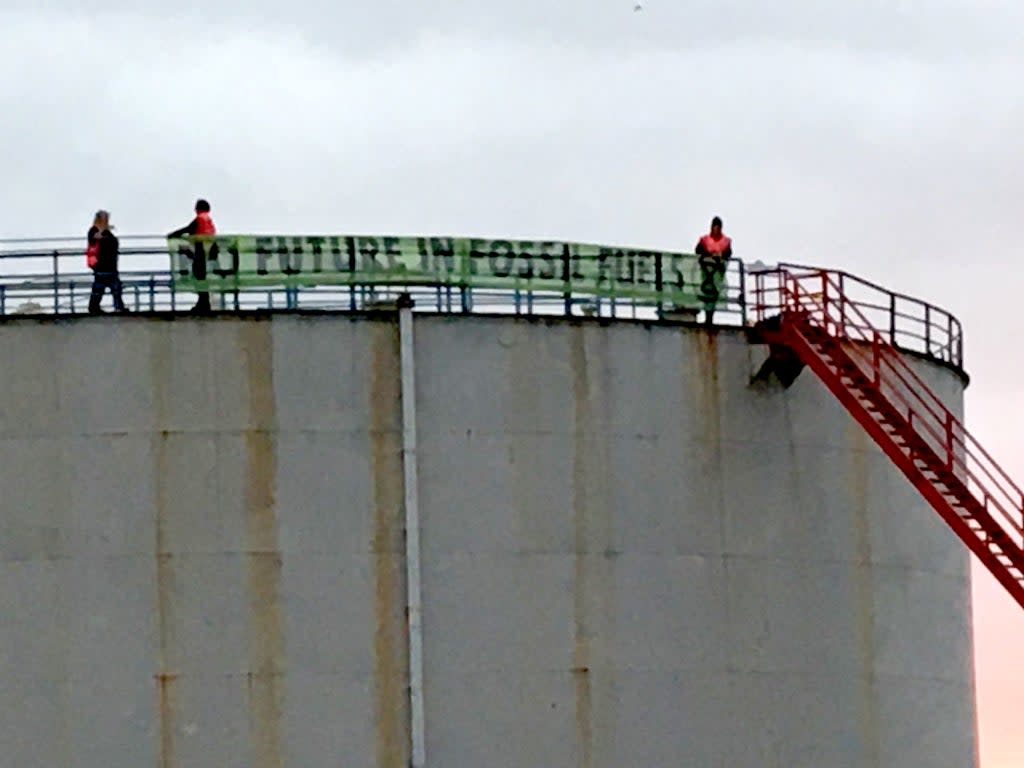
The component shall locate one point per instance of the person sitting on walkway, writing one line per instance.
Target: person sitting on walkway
(105, 247)
(714, 250)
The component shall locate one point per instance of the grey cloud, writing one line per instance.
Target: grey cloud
(351, 28)
(483, 121)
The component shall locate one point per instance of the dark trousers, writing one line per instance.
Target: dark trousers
(712, 278)
(199, 273)
(101, 282)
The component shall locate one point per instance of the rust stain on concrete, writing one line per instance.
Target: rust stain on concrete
(390, 647)
(266, 626)
(165, 690)
(856, 446)
(702, 388)
(165, 680)
(707, 384)
(583, 437)
(165, 676)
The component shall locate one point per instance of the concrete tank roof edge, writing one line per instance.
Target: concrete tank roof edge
(264, 315)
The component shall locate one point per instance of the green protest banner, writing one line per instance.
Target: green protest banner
(237, 262)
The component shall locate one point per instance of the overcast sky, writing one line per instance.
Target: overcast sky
(880, 137)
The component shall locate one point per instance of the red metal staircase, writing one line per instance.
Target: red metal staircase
(807, 320)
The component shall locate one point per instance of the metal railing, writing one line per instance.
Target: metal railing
(49, 276)
(907, 323)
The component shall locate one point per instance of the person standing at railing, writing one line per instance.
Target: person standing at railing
(714, 251)
(103, 245)
(202, 224)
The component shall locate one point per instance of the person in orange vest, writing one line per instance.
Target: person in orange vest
(714, 251)
(102, 253)
(202, 224)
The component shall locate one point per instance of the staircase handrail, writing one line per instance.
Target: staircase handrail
(950, 434)
(877, 345)
(931, 319)
(916, 386)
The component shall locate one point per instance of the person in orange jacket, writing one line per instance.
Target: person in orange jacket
(714, 251)
(202, 224)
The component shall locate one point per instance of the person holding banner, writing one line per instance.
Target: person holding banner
(202, 224)
(714, 250)
(102, 253)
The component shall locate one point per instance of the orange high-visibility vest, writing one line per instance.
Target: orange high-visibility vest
(715, 247)
(204, 224)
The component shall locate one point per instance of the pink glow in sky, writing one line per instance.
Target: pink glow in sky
(994, 416)
(999, 640)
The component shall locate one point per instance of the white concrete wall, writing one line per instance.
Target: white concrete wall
(631, 557)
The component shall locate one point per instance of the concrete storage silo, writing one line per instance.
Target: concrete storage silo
(627, 553)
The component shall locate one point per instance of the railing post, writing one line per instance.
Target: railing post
(3, 299)
(949, 440)
(927, 329)
(757, 297)
(892, 319)
(826, 317)
(567, 278)
(659, 279)
(350, 248)
(780, 291)
(743, 290)
(876, 360)
(949, 338)
(842, 304)
(56, 280)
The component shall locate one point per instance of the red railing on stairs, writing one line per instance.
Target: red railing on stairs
(806, 311)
